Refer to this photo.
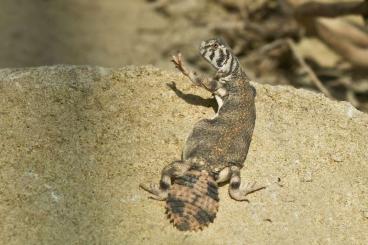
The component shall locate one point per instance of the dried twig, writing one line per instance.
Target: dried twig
(347, 40)
(319, 9)
(291, 45)
(310, 72)
(350, 96)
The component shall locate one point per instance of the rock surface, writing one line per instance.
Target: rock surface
(76, 142)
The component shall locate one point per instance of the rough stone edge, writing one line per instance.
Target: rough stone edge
(10, 74)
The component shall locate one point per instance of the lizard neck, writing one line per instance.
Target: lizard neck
(230, 77)
(231, 67)
(231, 71)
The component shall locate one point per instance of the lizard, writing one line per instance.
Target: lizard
(216, 148)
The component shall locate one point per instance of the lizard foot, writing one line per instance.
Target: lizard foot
(154, 189)
(178, 62)
(240, 194)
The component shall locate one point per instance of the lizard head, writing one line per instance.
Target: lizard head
(219, 55)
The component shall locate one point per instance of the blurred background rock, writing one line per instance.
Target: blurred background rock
(321, 45)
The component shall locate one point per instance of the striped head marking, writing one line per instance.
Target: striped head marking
(219, 55)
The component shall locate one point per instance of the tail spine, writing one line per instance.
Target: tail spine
(193, 201)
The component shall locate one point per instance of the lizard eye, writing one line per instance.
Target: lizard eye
(215, 45)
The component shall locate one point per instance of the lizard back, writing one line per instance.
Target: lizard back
(225, 139)
(213, 145)
(215, 150)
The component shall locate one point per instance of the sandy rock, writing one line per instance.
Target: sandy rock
(77, 141)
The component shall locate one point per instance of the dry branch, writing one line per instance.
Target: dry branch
(318, 9)
(309, 71)
(345, 39)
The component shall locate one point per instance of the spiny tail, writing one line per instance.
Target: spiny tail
(192, 202)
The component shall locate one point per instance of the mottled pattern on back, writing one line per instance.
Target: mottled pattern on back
(192, 201)
(216, 149)
(224, 140)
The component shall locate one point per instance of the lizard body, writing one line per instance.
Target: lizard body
(216, 149)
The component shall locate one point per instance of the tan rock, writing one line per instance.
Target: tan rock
(77, 141)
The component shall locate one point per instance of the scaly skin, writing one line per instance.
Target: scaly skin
(192, 201)
(216, 149)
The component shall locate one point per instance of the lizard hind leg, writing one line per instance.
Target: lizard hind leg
(237, 193)
(160, 191)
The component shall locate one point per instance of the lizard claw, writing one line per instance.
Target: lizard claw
(240, 194)
(253, 187)
(178, 62)
(155, 190)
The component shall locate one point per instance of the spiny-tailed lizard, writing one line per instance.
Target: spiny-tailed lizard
(216, 149)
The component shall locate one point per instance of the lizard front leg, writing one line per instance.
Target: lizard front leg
(160, 191)
(234, 188)
(209, 84)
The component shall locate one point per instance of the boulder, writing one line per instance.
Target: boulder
(76, 141)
